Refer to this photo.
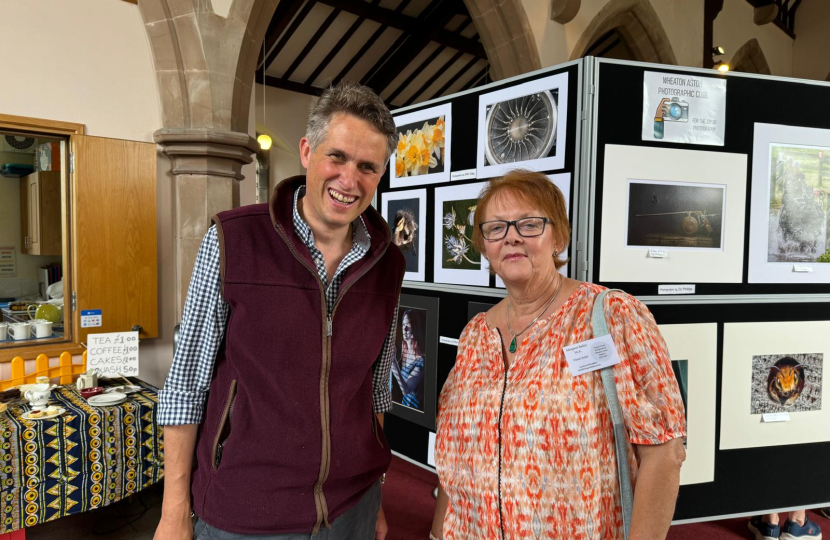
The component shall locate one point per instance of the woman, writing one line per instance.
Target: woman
(409, 372)
(524, 448)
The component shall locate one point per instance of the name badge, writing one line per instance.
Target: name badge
(591, 355)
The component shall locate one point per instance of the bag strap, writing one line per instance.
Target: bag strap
(620, 436)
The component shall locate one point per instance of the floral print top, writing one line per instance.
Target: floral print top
(528, 452)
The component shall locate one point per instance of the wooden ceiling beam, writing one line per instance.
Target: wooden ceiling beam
(284, 84)
(298, 20)
(441, 91)
(286, 9)
(395, 19)
(435, 76)
(311, 43)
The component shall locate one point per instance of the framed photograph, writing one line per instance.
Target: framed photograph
(406, 214)
(788, 233)
(675, 215)
(642, 181)
(693, 349)
(774, 367)
(422, 155)
(456, 259)
(563, 182)
(474, 308)
(413, 381)
(523, 127)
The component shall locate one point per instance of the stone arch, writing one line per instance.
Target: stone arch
(750, 59)
(637, 23)
(506, 35)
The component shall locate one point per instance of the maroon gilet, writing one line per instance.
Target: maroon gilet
(289, 440)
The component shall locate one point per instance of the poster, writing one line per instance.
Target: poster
(413, 379)
(405, 212)
(708, 188)
(693, 349)
(422, 155)
(456, 260)
(687, 109)
(788, 235)
(774, 367)
(7, 261)
(523, 127)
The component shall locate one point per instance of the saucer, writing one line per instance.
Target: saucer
(105, 400)
(44, 417)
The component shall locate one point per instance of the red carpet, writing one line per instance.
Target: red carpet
(409, 505)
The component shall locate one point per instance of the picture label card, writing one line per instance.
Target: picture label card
(683, 108)
(591, 355)
(675, 289)
(658, 253)
(802, 268)
(467, 174)
(776, 417)
(448, 341)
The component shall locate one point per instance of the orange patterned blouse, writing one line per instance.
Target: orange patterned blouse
(529, 452)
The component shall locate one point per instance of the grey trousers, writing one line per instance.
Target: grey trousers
(358, 523)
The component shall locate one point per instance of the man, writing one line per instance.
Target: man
(288, 329)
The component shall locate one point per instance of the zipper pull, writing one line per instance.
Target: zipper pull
(328, 325)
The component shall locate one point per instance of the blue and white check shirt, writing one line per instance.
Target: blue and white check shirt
(182, 399)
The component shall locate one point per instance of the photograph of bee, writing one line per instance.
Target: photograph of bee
(405, 212)
(675, 215)
(786, 383)
(456, 259)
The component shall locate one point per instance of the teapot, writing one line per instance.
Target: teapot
(49, 312)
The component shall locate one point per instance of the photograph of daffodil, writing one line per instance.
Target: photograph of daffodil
(458, 250)
(420, 148)
(422, 155)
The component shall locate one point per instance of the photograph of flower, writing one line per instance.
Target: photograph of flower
(406, 214)
(786, 383)
(523, 126)
(422, 155)
(456, 259)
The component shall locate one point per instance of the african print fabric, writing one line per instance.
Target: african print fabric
(528, 452)
(87, 458)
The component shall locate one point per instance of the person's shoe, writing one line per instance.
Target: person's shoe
(794, 531)
(763, 530)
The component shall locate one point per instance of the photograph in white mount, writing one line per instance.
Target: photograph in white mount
(406, 214)
(742, 422)
(563, 182)
(675, 215)
(788, 232)
(620, 262)
(422, 154)
(786, 383)
(693, 349)
(456, 259)
(523, 127)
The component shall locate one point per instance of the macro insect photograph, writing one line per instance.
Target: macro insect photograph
(675, 215)
(786, 383)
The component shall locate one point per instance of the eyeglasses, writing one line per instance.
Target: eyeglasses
(527, 227)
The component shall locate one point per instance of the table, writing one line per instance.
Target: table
(87, 458)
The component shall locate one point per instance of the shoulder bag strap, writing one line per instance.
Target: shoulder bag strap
(620, 434)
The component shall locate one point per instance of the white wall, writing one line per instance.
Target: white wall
(734, 27)
(812, 43)
(682, 21)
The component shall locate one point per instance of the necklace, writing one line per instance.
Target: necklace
(513, 345)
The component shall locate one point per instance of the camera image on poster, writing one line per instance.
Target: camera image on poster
(676, 215)
(786, 383)
(405, 212)
(798, 189)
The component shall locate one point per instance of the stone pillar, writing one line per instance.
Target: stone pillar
(506, 35)
(205, 65)
(206, 167)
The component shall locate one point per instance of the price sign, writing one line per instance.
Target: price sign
(113, 354)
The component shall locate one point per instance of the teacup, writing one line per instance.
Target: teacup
(38, 395)
(18, 331)
(4, 331)
(41, 328)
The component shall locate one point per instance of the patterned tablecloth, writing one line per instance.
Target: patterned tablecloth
(87, 458)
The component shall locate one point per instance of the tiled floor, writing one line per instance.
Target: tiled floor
(133, 519)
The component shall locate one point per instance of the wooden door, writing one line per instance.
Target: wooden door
(114, 255)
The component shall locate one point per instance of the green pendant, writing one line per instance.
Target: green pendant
(513, 345)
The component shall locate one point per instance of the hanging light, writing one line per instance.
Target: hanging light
(722, 66)
(718, 51)
(264, 141)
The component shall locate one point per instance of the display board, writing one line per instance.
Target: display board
(706, 196)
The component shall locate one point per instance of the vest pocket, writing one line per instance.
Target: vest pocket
(224, 430)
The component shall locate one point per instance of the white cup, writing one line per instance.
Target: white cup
(41, 328)
(4, 331)
(18, 331)
(38, 395)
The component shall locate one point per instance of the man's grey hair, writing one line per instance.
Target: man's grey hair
(351, 98)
